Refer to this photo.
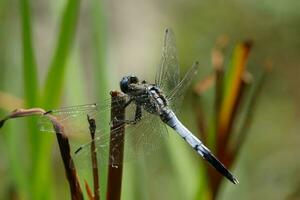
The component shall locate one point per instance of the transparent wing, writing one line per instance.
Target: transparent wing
(167, 75)
(74, 119)
(176, 96)
(146, 137)
(140, 139)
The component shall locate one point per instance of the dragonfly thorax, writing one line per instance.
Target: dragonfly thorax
(153, 101)
(147, 96)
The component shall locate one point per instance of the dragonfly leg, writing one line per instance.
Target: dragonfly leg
(138, 113)
(137, 117)
(128, 102)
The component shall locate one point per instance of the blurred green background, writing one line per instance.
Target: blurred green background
(60, 53)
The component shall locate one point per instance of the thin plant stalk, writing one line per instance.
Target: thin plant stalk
(92, 127)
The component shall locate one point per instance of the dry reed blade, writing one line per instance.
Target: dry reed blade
(64, 147)
(22, 113)
(116, 149)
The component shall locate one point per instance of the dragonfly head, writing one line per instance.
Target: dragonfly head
(126, 81)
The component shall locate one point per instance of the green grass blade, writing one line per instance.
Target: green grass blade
(98, 22)
(52, 93)
(29, 64)
(16, 170)
(30, 80)
(29, 72)
(55, 78)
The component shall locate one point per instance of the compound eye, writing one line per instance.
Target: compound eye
(124, 84)
(126, 81)
(134, 79)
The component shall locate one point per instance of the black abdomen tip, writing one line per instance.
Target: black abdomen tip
(219, 166)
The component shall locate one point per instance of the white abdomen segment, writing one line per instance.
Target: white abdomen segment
(198, 146)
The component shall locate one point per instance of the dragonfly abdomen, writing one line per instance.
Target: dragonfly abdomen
(171, 120)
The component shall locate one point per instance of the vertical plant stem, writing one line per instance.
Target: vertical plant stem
(116, 147)
(92, 124)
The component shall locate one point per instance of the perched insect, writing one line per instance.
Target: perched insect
(151, 107)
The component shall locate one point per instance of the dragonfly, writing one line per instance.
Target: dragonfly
(150, 107)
